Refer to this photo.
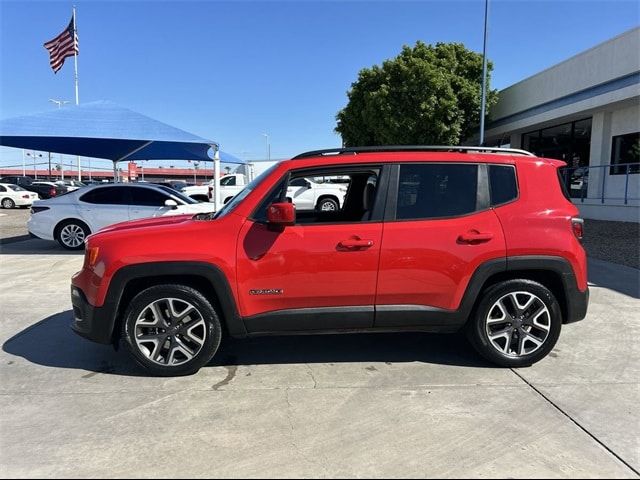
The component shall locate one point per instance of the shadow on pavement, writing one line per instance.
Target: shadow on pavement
(51, 343)
(622, 279)
(33, 246)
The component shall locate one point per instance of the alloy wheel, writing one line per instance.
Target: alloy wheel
(170, 331)
(328, 207)
(72, 235)
(518, 324)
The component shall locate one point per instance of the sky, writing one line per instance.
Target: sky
(231, 71)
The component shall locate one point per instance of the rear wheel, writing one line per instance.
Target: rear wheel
(8, 203)
(516, 324)
(71, 234)
(171, 330)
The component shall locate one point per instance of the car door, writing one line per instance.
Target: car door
(439, 229)
(103, 206)
(147, 202)
(319, 274)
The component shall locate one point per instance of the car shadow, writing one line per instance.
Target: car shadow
(620, 278)
(33, 246)
(52, 343)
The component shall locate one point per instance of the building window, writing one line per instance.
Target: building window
(569, 142)
(625, 154)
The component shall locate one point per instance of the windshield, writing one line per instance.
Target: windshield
(244, 192)
(176, 194)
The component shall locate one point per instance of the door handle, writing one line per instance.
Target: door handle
(355, 243)
(474, 236)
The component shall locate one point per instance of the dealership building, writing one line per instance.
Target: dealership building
(585, 111)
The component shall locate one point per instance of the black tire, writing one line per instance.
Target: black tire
(8, 203)
(477, 328)
(328, 204)
(227, 200)
(81, 228)
(211, 329)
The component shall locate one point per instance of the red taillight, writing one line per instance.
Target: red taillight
(25, 196)
(577, 225)
(52, 192)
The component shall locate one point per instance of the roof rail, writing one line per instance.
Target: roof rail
(411, 148)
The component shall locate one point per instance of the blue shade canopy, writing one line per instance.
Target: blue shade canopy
(105, 130)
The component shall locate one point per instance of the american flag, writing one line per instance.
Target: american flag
(63, 46)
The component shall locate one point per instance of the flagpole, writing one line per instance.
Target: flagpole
(75, 63)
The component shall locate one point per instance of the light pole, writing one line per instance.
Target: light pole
(34, 155)
(268, 145)
(195, 171)
(483, 101)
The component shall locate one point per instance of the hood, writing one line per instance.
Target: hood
(147, 222)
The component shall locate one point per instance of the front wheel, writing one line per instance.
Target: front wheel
(171, 330)
(328, 205)
(516, 324)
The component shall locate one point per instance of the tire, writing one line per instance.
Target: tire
(171, 349)
(8, 203)
(328, 205)
(504, 314)
(227, 200)
(71, 234)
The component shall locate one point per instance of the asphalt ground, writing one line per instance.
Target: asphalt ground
(377, 405)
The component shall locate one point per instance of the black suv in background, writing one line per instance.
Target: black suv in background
(44, 189)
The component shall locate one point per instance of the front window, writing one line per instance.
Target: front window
(235, 201)
(228, 181)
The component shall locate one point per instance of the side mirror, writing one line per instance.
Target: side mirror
(172, 204)
(281, 214)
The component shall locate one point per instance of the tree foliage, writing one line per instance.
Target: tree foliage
(427, 95)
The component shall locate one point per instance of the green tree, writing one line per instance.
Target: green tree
(427, 95)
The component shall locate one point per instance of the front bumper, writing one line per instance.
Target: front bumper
(92, 323)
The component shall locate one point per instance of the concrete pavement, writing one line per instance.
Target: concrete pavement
(403, 405)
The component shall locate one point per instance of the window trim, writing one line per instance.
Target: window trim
(482, 189)
(377, 215)
(515, 174)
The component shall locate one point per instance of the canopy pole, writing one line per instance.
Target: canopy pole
(216, 177)
(115, 171)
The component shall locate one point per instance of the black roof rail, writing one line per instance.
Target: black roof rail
(412, 148)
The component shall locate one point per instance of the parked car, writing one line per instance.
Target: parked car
(12, 196)
(71, 218)
(432, 239)
(177, 185)
(70, 185)
(43, 189)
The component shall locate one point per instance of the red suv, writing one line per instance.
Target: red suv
(428, 239)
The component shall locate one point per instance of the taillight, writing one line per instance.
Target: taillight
(38, 209)
(577, 225)
(52, 192)
(25, 196)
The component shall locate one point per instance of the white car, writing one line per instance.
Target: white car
(70, 218)
(311, 194)
(12, 196)
(70, 185)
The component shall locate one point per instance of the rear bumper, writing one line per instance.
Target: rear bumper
(92, 323)
(577, 305)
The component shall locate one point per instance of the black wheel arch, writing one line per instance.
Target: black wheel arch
(204, 277)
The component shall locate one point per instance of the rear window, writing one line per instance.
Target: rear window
(436, 190)
(503, 184)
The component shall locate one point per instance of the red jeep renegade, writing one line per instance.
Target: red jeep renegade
(426, 239)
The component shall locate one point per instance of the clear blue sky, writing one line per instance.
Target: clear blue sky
(233, 70)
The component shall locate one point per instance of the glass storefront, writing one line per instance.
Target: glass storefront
(569, 142)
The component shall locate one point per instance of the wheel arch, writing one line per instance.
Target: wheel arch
(555, 273)
(206, 278)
